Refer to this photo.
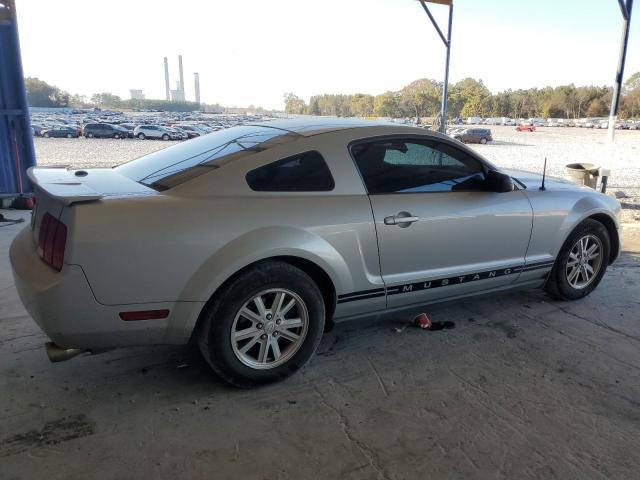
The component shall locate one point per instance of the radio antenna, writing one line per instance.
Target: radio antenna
(544, 174)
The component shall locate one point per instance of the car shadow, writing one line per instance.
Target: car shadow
(181, 373)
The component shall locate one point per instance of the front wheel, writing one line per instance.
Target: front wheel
(483, 141)
(141, 136)
(165, 137)
(263, 325)
(581, 263)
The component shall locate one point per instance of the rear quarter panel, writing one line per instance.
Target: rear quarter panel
(184, 244)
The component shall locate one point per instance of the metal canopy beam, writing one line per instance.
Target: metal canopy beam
(433, 21)
(447, 44)
(625, 11)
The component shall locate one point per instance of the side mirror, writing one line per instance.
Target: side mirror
(498, 182)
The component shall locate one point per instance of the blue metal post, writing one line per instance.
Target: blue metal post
(447, 44)
(16, 140)
(625, 9)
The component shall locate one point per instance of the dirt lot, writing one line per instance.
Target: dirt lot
(511, 149)
(522, 388)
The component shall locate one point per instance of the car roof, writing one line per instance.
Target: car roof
(309, 126)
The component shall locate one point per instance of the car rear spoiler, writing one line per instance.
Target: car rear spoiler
(62, 185)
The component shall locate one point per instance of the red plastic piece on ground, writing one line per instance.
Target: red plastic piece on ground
(422, 321)
(23, 203)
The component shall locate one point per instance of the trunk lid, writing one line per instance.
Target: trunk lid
(73, 186)
(57, 188)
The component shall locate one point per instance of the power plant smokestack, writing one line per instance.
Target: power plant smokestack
(196, 80)
(166, 78)
(181, 74)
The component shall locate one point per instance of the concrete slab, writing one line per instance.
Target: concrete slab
(523, 387)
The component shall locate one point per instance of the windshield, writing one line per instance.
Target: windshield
(172, 166)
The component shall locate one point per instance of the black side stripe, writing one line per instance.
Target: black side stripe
(362, 292)
(442, 282)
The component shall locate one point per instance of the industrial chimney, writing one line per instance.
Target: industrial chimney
(196, 80)
(166, 78)
(181, 74)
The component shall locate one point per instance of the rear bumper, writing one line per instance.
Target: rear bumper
(64, 307)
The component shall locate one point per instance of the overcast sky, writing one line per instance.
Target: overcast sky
(253, 51)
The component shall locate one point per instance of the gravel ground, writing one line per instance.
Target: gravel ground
(511, 149)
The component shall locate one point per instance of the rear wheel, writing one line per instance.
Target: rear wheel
(69, 135)
(165, 137)
(46, 134)
(89, 135)
(581, 263)
(263, 325)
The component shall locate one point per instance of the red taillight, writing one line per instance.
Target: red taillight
(144, 315)
(51, 241)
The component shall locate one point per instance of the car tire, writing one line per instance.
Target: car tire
(165, 137)
(69, 135)
(89, 135)
(483, 140)
(46, 135)
(567, 283)
(141, 136)
(259, 364)
(116, 136)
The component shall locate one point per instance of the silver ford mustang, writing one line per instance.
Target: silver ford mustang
(251, 240)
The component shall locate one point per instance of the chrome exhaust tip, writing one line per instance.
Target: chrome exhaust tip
(60, 354)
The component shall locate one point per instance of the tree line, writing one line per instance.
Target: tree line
(41, 94)
(471, 98)
(421, 98)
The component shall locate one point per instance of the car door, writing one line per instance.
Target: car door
(440, 232)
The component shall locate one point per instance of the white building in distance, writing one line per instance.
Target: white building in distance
(136, 94)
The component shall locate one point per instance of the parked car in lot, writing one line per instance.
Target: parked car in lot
(177, 133)
(251, 239)
(60, 131)
(474, 135)
(156, 131)
(455, 130)
(526, 127)
(103, 130)
(190, 131)
(129, 127)
(36, 129)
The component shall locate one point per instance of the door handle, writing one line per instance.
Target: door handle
(402, 219)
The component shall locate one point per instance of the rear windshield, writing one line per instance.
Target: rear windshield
(174, 165)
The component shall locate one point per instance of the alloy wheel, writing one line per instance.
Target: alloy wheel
(584, 262)
(269, 328)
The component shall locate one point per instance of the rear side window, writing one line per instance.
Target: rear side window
(305, 172)
(172, 166)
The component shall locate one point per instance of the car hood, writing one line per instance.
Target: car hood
(534, 180)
